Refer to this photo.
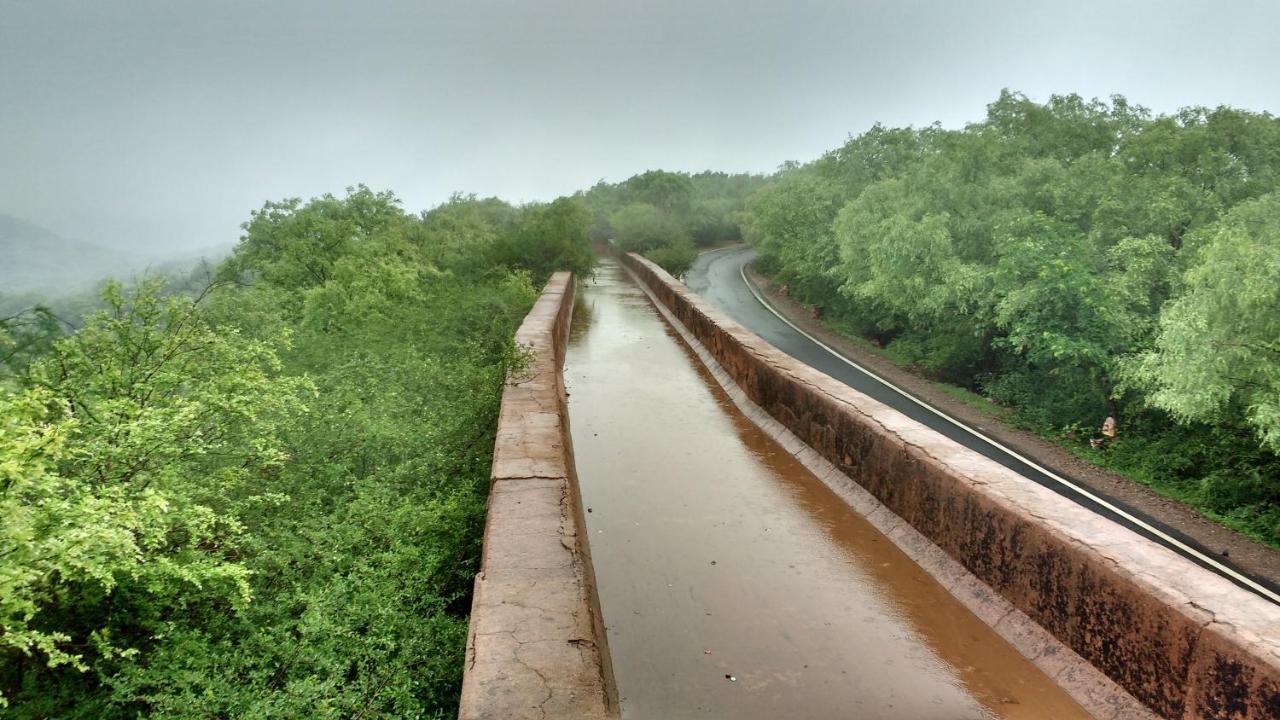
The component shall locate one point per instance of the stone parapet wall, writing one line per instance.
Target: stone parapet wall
(535, 647)
(1184, 641)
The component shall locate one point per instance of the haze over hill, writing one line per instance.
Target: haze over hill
(38, 260)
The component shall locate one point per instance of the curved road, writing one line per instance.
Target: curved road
(718, 277)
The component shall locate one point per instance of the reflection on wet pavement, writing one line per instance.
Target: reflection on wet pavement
(735, 584)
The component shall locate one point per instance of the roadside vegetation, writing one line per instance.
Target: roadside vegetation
(265, 497)
(670, 217)
(257, 490)
(1070, 261)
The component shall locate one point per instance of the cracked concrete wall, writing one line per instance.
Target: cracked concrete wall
(1184, 641)
(535, 646)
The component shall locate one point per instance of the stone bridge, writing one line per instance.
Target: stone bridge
(1122, 627)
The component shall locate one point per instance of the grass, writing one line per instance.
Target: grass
(974, 400)
(1259, 521)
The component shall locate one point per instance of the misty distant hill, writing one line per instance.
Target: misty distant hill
(35, 259)
(183, 261)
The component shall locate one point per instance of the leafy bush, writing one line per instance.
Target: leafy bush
(675, 258)
(268, 501)
(640, 227)
(1075, 259)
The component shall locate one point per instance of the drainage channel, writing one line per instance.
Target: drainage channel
(732, 582)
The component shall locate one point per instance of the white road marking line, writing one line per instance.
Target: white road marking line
(1223, 569)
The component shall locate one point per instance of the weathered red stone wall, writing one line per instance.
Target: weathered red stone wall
(535, 646)
(1184, 641)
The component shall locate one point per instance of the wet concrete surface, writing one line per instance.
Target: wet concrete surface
(732, 582)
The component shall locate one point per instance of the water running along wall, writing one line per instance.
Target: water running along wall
(535, 644)
(1182, 640)
(735, 581)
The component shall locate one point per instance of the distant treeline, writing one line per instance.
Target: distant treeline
(263, 496)
(1072, 260)
(670, 216)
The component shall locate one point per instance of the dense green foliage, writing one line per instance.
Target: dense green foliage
(1072, 260)
(259, 491)
(266, 500)
(667, 216)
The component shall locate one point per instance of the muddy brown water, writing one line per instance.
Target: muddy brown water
(732, 582)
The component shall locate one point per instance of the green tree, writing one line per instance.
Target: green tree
(667, 191)
(898, 257)
(705, 208)
(1040, 257)
(641, 227)
(551, 237)
(184, 539)
(790, 224)
(127, 456)
(1218, 349)
(676, 258)
(25, 336)
(463, 234)
(294, 246)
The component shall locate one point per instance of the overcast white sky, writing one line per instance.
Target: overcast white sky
(140, 124)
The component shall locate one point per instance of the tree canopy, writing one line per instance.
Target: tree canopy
(266, 498)
(1073, 259)
(667, 216)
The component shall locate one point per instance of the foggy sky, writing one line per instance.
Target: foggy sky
(141, 124)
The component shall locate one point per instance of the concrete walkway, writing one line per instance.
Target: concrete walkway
(732, 582)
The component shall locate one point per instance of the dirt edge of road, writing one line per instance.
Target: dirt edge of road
(1247, 553)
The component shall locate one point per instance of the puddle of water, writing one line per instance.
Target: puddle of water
(732, 582)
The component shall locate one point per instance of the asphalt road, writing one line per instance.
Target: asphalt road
(717, 276)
